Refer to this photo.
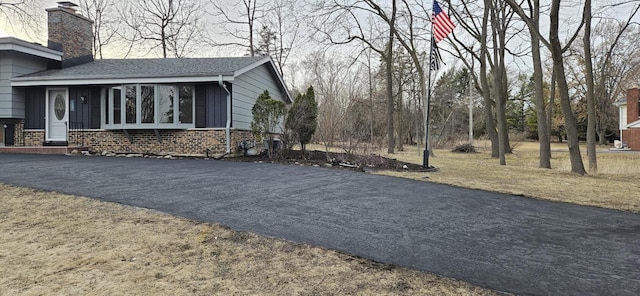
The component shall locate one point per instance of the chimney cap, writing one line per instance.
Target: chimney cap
(67, 4)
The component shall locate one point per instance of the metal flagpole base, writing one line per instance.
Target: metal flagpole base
(425, 162)
(425, 159)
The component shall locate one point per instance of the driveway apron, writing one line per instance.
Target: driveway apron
(503, 242)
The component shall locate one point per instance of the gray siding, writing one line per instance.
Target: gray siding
(34, 98)
(246, 89)
(211, 105)
(13, 64)
(84, 115)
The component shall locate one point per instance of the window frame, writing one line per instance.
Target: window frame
(108, 108)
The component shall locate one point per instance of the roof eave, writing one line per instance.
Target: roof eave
(17, 45)
(72, 81)
(635, 124)
(620, 103)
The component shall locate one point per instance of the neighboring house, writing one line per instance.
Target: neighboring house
(630, 119)
(60, 95)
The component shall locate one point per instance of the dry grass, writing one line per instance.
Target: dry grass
(65, 245)
(614, 186)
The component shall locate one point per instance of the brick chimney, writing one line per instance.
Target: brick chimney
(70, 33)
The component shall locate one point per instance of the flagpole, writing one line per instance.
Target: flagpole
(427, 142)
(427, 145)
(444, 27)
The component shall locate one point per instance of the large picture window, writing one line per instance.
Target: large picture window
(150, 106)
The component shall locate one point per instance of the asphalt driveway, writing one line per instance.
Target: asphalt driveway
(502, 242)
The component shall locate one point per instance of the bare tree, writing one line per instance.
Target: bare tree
(478, 29)
(105, 26)
(238, 20)
(500, 21)
(342, 23)
(544, 134)
(557, 51)
(589, 76)
(171, 26)
(616, 60)
(287, 28)
(590, 95)
(21, 16)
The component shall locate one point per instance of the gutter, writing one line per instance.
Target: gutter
(228, 125)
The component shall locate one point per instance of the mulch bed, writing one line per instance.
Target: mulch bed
(337, 160)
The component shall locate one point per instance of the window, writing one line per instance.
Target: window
(186, 104)
(150, 106)
(117, 103)
(165, 103)
(130, 103)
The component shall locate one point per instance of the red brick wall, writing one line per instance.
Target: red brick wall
(632, 136)
(633, 97)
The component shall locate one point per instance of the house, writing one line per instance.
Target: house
(630, 119)
(60, 95)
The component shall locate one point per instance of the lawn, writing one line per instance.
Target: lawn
(614, 186)
(58, 244)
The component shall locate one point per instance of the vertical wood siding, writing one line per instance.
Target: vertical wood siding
(34, 98)
(211, 106)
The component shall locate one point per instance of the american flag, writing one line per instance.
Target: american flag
(435, 58)
(442, 24)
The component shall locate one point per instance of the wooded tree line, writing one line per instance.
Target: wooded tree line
(544, 69)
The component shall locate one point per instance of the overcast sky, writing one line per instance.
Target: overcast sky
(571, 15)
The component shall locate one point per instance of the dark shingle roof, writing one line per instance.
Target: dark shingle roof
(147, 68)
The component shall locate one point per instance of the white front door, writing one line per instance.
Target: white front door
(57, 114)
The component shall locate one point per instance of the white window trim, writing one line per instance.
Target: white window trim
(108, 101)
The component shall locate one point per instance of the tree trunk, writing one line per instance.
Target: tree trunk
(602, 138)
(370, 99)
(389, 70)
(544, 133)
(552, 96)
(499, 81)
(400, 139)
(488, 103)
(563, 89)
(591, 106)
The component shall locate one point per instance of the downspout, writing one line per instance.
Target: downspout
(228, 126)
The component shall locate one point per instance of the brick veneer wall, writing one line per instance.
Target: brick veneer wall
(195, 141)
(632, 136)
(33, 138)
(172, 141)
(633, 96)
